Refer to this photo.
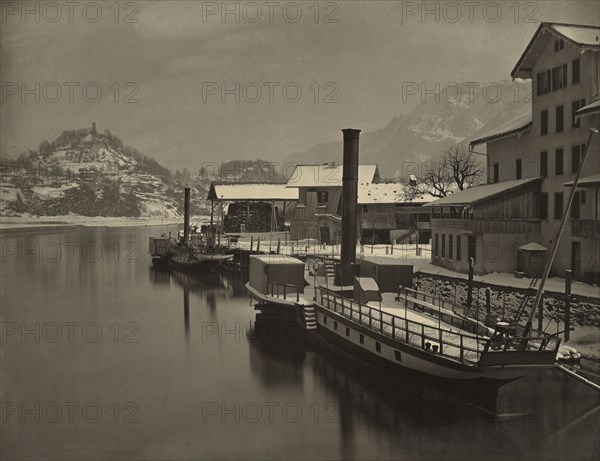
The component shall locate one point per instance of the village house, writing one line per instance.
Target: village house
(532, 161)
(385, 214)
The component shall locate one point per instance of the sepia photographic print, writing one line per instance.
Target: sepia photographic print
(299, 230)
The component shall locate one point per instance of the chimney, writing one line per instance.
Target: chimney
(346, 270)
(186, 215)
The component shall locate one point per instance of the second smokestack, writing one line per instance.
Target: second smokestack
(186, 215)
(346, 270)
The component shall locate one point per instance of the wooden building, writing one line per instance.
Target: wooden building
(384, 212)
(487, 223)
(251, 207)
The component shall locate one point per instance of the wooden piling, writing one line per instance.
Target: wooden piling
(568, 279)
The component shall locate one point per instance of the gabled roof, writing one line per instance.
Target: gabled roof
(328, 175)
(516, 125)
(389, 193)
(582, 36)
(483, 193)
(251, 192)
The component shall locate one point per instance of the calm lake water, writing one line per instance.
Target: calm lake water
(105, 358)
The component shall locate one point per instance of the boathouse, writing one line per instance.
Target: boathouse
(251, 207)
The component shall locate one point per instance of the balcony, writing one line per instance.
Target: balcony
(480, 226)
(586, 228)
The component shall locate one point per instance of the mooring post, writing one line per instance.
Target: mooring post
(251, 243)
(568, 279)
(541, 314)
(278, 245)
(258, 245)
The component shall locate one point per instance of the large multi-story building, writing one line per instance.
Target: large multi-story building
(547, 142)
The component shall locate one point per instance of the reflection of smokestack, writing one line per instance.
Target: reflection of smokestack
(186, 215)
(345, 273)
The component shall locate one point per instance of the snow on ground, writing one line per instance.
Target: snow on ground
(587, 342)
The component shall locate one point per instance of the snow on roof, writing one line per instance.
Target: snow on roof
(328, 175)
(482, 193)
(588, 181)
(533, 246)
(591, 108)
(521, 122)
(252, 191)
(579, 35)
(369, 193)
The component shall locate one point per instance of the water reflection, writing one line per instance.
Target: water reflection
(174, 367)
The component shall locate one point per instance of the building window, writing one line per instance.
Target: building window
(450, 245)
(496, 176)
(559, 77)
(436, 241)
(544, 122)
(322, 196)
(543, 205)
(575, 106)
(577, 152)
(324, 320)
(458, 247)
(335, 325)
(443, 245)
(543, 83)
(362, 339)
(560, 115)
(559, 161)
(398, 355)
(347, 331)
(518, 169)
(377, 346)
(576, 72)
(559, 44)
(544, 163)
(558, 205)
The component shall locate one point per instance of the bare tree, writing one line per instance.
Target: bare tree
(437, 178)
(456, 169)
(467, 170)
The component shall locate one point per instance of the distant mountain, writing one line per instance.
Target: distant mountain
(91, 174)
(430, 128)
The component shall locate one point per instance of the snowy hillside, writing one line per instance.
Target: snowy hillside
(91, 174)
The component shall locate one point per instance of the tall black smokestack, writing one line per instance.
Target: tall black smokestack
(346, 270)
(186, 215)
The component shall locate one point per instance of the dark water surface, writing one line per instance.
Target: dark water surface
(105, 358)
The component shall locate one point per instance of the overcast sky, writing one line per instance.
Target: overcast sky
(178, 53)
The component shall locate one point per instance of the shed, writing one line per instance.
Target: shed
(530, 259)
(270, 271)
(388, 273)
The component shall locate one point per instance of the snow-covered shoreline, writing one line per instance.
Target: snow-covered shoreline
(41, 223)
